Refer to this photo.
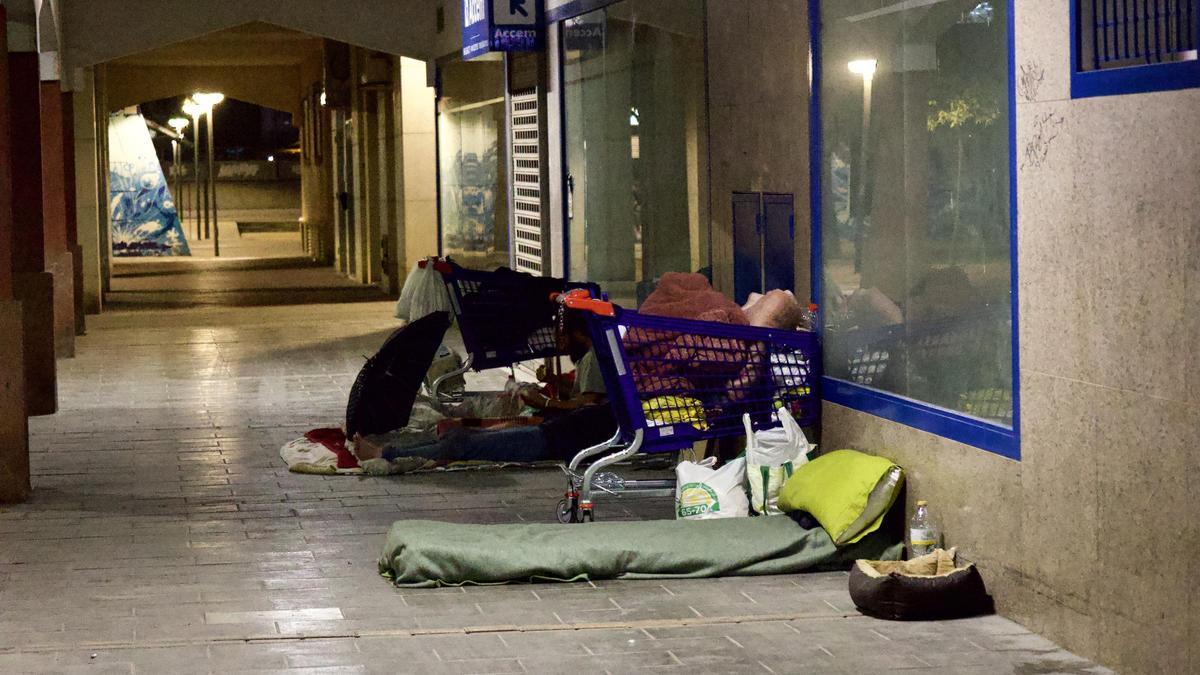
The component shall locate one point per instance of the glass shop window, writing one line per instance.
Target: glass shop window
(472, 171)
(635, 134)
(915, 215)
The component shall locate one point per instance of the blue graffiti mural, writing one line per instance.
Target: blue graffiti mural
(142, 210)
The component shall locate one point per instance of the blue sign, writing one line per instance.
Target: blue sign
(502, 26)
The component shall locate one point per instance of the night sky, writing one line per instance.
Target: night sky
(242, 130)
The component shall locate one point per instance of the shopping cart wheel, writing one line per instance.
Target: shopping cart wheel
(568, 511)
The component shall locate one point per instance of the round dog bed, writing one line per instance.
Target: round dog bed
(929, 587)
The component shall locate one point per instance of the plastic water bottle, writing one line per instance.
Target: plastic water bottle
(922, 533)
(809, 321)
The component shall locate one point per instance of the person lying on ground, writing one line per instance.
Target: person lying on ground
(582, 420)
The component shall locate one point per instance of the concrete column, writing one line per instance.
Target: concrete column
(70, 201)
(6, 225)
(418, 156)
(89, 208)
(372, 222)
(359, 233)
(34, 285)
(390, 222)
(58, 209)
(100, 119)
(326, 236)
(14, 426)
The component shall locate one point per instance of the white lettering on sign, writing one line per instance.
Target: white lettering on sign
(515, 12)
(474, 11)
(514, 34)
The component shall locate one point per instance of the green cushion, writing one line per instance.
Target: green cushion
(847, 491)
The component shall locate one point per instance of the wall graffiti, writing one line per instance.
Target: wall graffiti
(141, 207)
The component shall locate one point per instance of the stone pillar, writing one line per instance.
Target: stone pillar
(418, 155)
(89, 207)
(14, 426)
(58, 208)
(100, 119)
(33, 284)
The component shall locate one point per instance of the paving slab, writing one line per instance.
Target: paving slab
(165, 535)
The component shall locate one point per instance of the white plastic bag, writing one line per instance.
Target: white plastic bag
(491, 405)
(703, 493)
(772, 455)
(404, 304)
(423, 294)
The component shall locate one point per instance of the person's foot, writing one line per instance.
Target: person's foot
(410, 464)
(382, 467)
(365, 450)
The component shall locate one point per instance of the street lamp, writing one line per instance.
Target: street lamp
(195, 110)
(207, 101)
(178, 124)
(858, 198)
(864, 67)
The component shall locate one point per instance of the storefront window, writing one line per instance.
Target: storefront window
(915, 214)
(472, 170)
(636, 128)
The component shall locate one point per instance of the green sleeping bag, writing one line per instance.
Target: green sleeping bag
(422, 553)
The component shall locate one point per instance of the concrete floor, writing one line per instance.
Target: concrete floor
(156, 283)
(244, 245)
(164, 535)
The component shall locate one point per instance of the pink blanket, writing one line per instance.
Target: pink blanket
(690, 296)
(668, 362)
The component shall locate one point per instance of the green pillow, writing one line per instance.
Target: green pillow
(847, 491)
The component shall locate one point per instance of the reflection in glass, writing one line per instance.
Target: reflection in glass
(636, 131)
(473, 174)
(915, 203)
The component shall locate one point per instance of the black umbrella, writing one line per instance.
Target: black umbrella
(383, 394)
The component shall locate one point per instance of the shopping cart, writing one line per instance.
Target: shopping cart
(505, 317)
(675, 382)
(969, 354)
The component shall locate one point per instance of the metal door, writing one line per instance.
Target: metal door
(747, 245)
(779, 237)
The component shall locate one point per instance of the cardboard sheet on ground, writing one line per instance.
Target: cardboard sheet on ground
(422, 553)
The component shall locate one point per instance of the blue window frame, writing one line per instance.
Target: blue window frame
(986, 434)
(1133, 46)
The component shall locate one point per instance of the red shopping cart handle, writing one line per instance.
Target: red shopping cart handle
(438, 264)
(580, 299)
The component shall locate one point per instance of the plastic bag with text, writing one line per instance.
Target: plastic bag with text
(703, 493)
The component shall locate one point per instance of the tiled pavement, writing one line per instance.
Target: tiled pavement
(141, 283)
(165, 536)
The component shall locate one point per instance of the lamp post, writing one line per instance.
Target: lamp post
(207, 102)
(858, 196)
(193, 110)
(178, 124)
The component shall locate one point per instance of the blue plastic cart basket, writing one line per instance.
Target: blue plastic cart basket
(484, 305)
(674, 382)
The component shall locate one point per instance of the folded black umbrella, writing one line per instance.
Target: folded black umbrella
(383, 394)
